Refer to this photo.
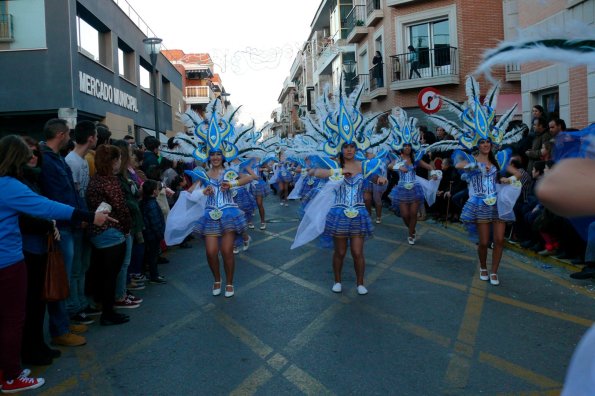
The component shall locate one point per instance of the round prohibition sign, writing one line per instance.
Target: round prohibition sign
(429, 100)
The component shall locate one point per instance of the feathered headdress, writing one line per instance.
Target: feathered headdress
(403, 130)
(477, 120)
(214, 133)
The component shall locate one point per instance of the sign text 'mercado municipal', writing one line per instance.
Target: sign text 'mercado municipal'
(95, 87)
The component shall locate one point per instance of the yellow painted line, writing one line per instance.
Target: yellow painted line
(195, 295)
(324, 291)
(457, 373)
(297, 260)
(260, 264)
(541, 310)
(277, 362)
(305, 382)
(251, 384)
(431, 279)
(257, 282)
(377, 271)
(517, 371)
(249, 339)
(65, 386)
(310, 332)
(409, 327)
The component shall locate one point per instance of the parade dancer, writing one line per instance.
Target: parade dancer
(491, 198)
(409, 193)
(260, 190)
(283, 177)
(208, 207)
(338, 212)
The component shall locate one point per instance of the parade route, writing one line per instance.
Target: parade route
(428, 326)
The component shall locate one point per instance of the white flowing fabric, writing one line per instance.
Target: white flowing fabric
(580, 378)
(507, 197)
(189, 208)
(312, 224)
(430, 188)
(273, 179)
(295, 193)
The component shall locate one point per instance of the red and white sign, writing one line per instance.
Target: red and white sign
(429, 100)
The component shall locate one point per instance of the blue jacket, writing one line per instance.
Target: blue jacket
(57, 183)
(16, 198)
(153, 219)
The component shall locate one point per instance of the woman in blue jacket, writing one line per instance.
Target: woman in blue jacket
(18, 199)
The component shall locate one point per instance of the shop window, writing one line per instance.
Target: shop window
(144, 77)
(94, 40)
(126, 61)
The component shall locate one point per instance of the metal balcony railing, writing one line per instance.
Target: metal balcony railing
(197, 94)
(513, 68)
(356, 17)
(430, 63)
(377, 77)
(372, 6)
(6, 28)
(363, 81)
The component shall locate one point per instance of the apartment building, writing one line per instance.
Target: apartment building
(82, 60)
(200, 84)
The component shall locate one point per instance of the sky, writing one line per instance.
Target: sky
(252, 43)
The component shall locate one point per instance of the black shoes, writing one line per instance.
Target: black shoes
(113, 319)
(585, 273)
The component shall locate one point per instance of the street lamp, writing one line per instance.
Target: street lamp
(153, 47)
(225, 99)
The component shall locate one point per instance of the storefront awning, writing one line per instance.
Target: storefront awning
(149, 132)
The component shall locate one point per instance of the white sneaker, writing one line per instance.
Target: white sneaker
(247, 244)
(281, 203)
(251, 226)
(337, 288)
(236, 250)
(411, 240)
(286, 204)
(263, 226)
(361, 290)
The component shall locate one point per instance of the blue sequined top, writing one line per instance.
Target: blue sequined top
(220, 199)
(482, 184)
(407, 177)
(351, 193)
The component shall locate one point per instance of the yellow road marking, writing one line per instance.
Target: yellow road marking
(305, 382)
(251, 384)
(517, 371)
(431, 279)
(306, 335)
(544, 311)
(65, 386)
(457, 372)
(249, 339)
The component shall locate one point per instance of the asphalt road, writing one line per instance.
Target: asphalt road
(428, 326)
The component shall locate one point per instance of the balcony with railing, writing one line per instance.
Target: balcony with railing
(513, 72)
(356, 24)
(438, 66)
(6, 28)
(377, 81)
(374, 12)
(198, 94)
(363, 82)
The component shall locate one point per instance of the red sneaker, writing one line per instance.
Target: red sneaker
(21, 383)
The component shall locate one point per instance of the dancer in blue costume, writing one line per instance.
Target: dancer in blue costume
(220, 221)
(283, 178)
(346, 222)
(260, 190)
(408, 194)
(490, 203)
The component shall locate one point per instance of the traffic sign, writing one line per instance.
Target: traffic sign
(429, 100)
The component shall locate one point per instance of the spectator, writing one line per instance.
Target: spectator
(413, 60)
(151, 156)
(556, 125)
(19, 199)
(536, 112)
(130, 140)
(154, 229)
(541, 135)
(109, 240)
(57, 184)
(35, 233)
(85, 135)
(378, 69)
(103, 137)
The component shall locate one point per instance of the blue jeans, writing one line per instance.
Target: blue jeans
(77, 301)
(59, 319)
(122, 279)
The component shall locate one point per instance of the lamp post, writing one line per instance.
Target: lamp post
(153, 47)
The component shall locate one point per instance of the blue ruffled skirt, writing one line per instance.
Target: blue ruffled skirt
(284, 177)
(232, 219)
(400, 194)
(260, 189)
(477, 211)
(306, 188)
(368, 186)
(339, 225)
(307, 197)
(246, 202)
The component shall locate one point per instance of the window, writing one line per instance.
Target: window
(432, 43)
(126, 61)
(94, 41)
(144, 77)
(165, 90)
(551, 103)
